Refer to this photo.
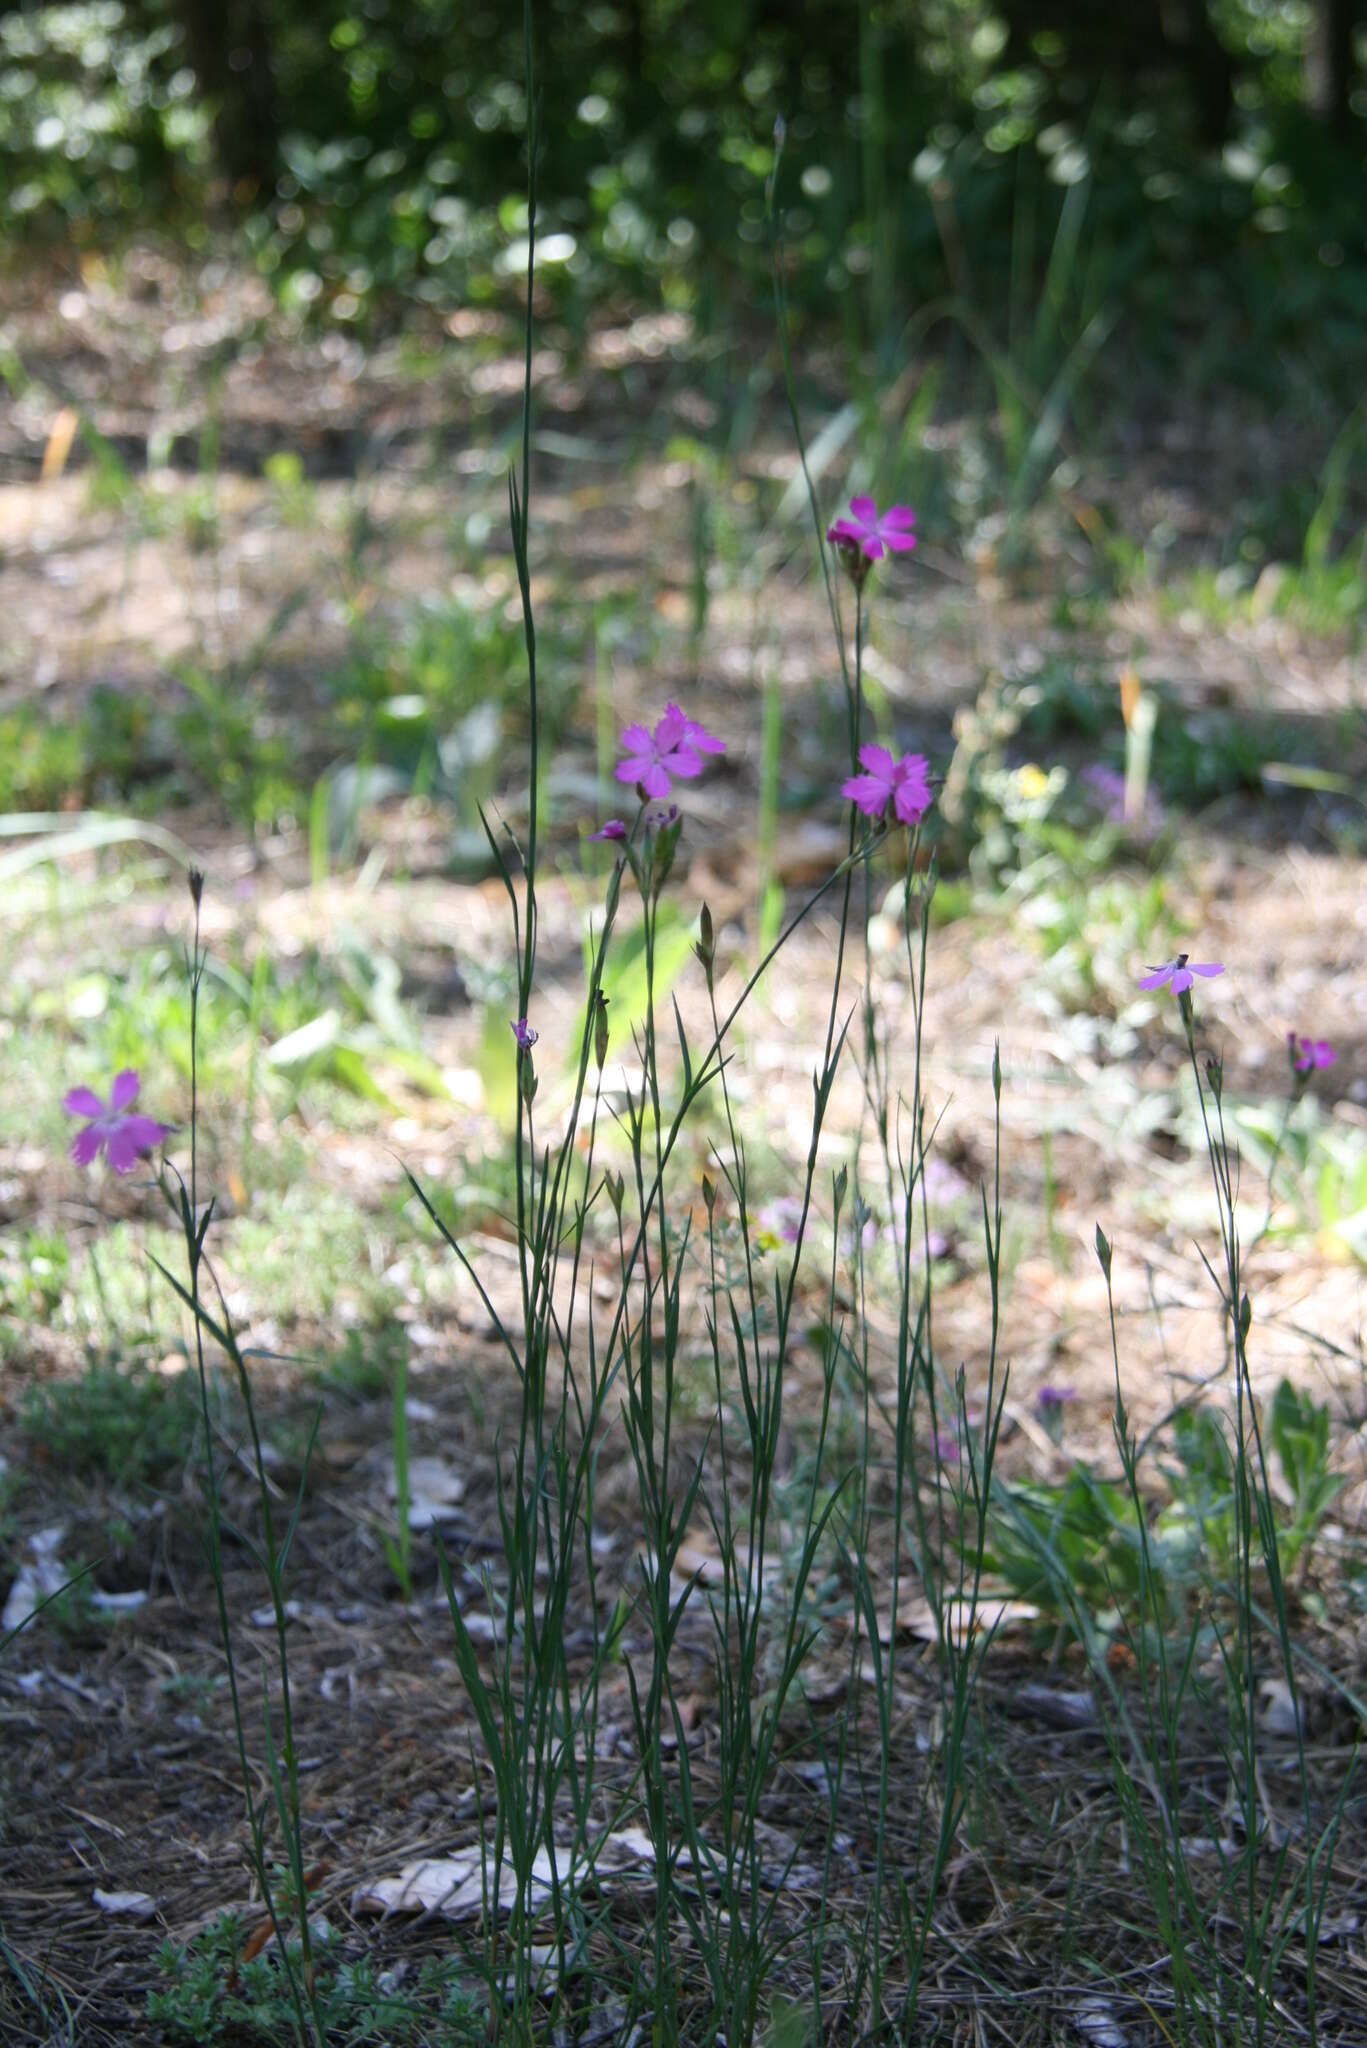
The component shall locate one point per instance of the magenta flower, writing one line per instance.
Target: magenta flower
(524, 1034)
(780, 1220)
(1179, 972)
(1052, 1399)
(676, 747)
(1308, 1053)
(1107, 788)
(875, 533)
(123, 1137)
(614, 829)
(904, 784)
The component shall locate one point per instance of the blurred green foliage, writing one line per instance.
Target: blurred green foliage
(368, 147)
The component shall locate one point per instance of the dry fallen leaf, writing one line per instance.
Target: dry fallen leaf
(1054, 1707)
(454, 1885)
(137, 1905)
(61, 434)
(37, 1579)
(962, 1619)
(1095, 2020)
(433, 1489)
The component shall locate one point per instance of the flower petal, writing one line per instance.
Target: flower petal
(865, 510)
(911, 800)
(653, 780)
(705, 742)
(1158, 977)
(682, 762)
(898, 517)
(143, 1131)
(1210, 968)
(85, 1146)
(913, 768)
(873, 547)
(122, 1151)
(82, 1102)
(125, 1089)
(899, 543)
(670, 729)
(879, 762)
(636, 740)
(635, 768)
(868, 793)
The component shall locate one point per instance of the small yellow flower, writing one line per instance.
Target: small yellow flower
(1032, 782)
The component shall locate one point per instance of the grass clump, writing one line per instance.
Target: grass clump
(127, 1424)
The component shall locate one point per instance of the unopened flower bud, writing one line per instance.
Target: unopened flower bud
(853, 560)
(600, 1027)
(705, 947)
(666, 846)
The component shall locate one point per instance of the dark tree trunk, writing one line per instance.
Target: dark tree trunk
(1127, 41)
(1329, 63)
(229, 48)
(636, 43)
(1195, 46)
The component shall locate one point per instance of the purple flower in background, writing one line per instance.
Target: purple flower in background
(1107, 789)
(1051, 1402)
(524, 1034)
(873, 533)
(1309, 1053)
(1179, 973)
(781, 1219)
(1051, 1399)
(934, 1244)
(675, 747)
(614, 829)
(904, 784)
(124, 1135)
(943, 1182)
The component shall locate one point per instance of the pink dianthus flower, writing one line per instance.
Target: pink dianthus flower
(675, 747)
(904, 784)
(124, 1135)
(1179, 973)
(875, 533)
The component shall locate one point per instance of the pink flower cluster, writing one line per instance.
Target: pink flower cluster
(1306, 1055)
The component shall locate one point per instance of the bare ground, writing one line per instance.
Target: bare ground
(120, 1764)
